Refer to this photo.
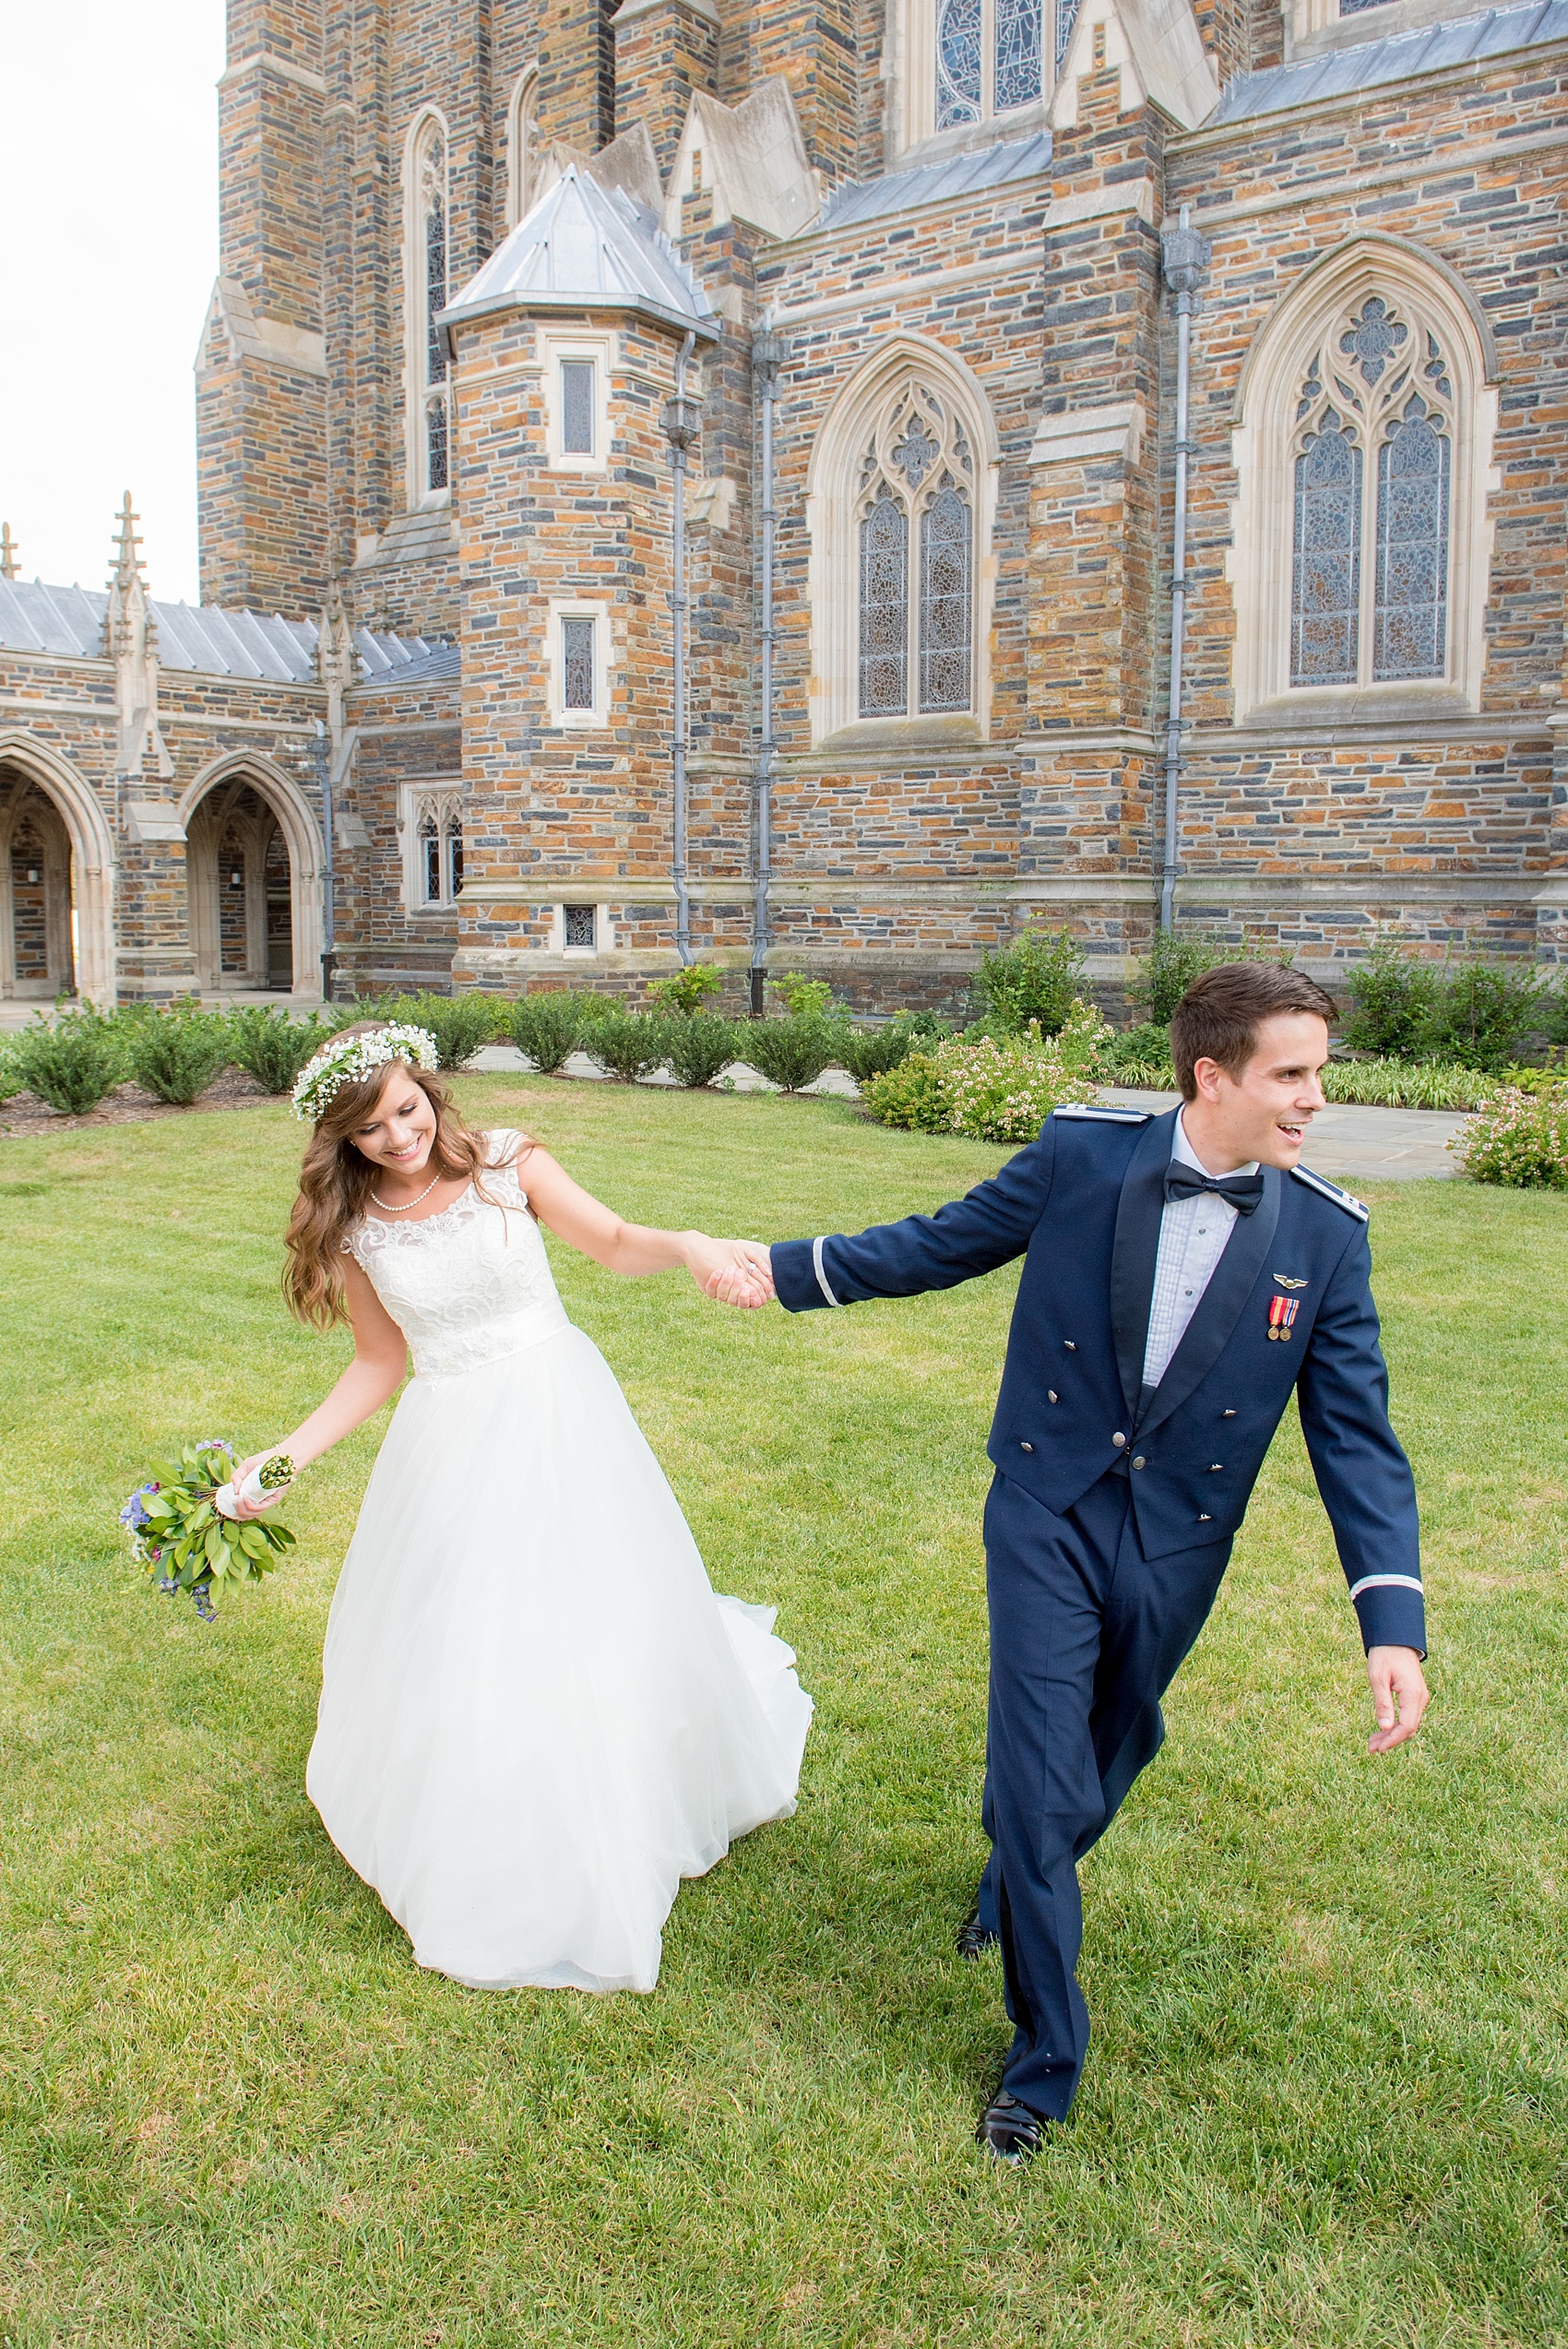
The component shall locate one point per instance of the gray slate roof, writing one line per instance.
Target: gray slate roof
(1340, 73)
(203, 639)
(587, 247)
(946, 183)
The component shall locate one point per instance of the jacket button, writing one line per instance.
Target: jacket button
(1025, 1448)
(1203, 1517)
(1052, 1395)
(1139, 1461)
(1119, 1439)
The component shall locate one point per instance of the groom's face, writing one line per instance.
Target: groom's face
(1266, 1113)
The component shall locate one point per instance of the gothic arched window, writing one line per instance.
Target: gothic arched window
(987, 59)
(431, 820)
(522, 141)
(426, 277)
(1369, 587)
(916, 626)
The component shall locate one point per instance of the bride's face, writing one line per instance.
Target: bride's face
(400, 1129)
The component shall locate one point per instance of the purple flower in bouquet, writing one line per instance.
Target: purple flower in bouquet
(133, 1517)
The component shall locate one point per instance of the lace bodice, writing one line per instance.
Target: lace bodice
(468, 1286)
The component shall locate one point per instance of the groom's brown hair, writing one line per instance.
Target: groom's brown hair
(1220, 1016)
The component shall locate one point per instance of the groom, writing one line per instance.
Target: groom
(1182, 1276)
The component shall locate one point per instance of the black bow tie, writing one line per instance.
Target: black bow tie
(1244, 1191)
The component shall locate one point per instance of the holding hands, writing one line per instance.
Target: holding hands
(737, 1272)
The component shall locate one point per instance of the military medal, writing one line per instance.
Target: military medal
(1281, 1313)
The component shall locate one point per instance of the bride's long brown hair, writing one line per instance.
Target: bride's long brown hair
(335, 1180)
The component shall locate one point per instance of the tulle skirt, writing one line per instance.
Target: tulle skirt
(536, 1716)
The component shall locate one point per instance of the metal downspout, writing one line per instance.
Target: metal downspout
(681, 429)
(768, 357)
(329, 870)
(1185, 257)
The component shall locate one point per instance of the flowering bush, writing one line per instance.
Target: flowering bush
(994, 1089)
(1519, 1139)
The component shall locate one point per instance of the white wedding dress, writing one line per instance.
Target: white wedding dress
(536, 1717)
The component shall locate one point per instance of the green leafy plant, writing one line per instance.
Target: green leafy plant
(802, 998)
(547, 1027)
(699, 1049)
(1406, 1084)
(1483, 1013)
(627, 1044)
(272, 1047)
(1139, 1057)
(868, 1051)
(11, 1078)
(793, 1051)
(175, 1054)
(911, 1095)
(994, 1089)
(72, 1063)
(1391, 998)
(1176, 957)
(181, 1537)
(688, 990)
(1517, 1138)
(1037, 978)
(460, 1024)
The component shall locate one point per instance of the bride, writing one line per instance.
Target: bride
(536, 1717)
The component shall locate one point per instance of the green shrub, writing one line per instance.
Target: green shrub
(1178, 957)
(11, 1078)
(1518, 1138)
(1484, 1013)
(73, 1064)
(264, 1040)
(547, 1027)
(688, 990)
(1037, 978)
(1139, 1055)
(459, 1023)
(627, 1044)
(1391, 998)
(911, 1095)
(792, 1052)
(176, 1054)
(699, 1049)
(802, 998)
(868, 1051)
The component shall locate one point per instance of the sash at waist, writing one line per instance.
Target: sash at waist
(452, 1352)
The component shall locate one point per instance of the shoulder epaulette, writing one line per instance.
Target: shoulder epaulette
(1328, 1190)
(1106, 1116)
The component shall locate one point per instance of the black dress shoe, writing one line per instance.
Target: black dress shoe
(1010, 2132)
(973, 1938)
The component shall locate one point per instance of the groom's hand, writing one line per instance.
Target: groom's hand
(1400, 1696)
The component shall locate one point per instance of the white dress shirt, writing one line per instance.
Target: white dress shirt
(1192, 1234)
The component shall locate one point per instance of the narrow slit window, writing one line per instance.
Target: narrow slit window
(577, 664)
(577, 408)
(1410, 610)
(945, 602)
(581, 925)
(453, 860)
(884, 609)
(1327, 573)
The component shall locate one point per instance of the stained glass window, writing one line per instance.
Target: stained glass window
(576, 406)
(577, 664)
(425, 294)
(435, 445)
(435, 289)
(1374, 337)
(1067, 17)
(988, 57)
(884, 608)
(430, 861)
(1354, 7)
(581, 925)
(1016, 79)
(945, 602)
(453, 857)
(958, 62)
(1326, 600)
(1410, 596)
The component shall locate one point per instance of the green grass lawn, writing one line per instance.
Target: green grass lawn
(1326, 2100)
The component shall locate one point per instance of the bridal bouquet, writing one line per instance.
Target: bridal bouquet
(182, 1529)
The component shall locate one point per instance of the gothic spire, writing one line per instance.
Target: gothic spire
(10, 560)
(129, 562)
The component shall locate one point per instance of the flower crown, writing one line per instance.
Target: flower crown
(350, 1057)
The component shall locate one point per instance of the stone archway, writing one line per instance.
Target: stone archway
(57, 932)
(252, 874)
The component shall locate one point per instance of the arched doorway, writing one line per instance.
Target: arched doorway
(252, 877)
(38, 957)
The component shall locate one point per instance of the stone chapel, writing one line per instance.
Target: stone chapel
(820, 485)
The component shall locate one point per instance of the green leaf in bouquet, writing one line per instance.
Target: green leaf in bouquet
(281, 1537)
(251, 1541)
(216, 1548)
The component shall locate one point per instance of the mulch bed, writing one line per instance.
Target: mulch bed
(25, 1116)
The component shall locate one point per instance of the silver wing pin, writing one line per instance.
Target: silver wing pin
(1285, 1281)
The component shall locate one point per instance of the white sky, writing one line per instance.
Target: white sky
(109, 200)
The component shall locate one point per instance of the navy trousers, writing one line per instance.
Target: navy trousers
(1086, 1636)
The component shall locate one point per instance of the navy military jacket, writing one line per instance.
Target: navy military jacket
(1082, 1206)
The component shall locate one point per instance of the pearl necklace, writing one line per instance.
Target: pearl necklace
(387, 1209)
